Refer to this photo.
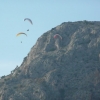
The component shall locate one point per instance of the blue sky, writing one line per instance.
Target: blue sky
(45, 15)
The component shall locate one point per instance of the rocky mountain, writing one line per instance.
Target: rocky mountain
(59, 69)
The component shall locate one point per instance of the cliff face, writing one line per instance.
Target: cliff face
(68, 72)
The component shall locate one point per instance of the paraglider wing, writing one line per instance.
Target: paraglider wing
(20, 34)
(57, 35)
(28, 20)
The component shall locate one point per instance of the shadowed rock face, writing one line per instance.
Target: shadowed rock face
(71, 72)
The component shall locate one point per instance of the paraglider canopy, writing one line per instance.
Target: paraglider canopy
(28, 20)
(21, 33)
(57, 36)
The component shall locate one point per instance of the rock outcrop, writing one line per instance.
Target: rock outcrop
(71, 72)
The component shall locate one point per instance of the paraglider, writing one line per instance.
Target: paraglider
(28, 20)
(21, 33)
(28, 30)
(57, 36)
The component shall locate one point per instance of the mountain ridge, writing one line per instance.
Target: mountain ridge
(70, 72)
